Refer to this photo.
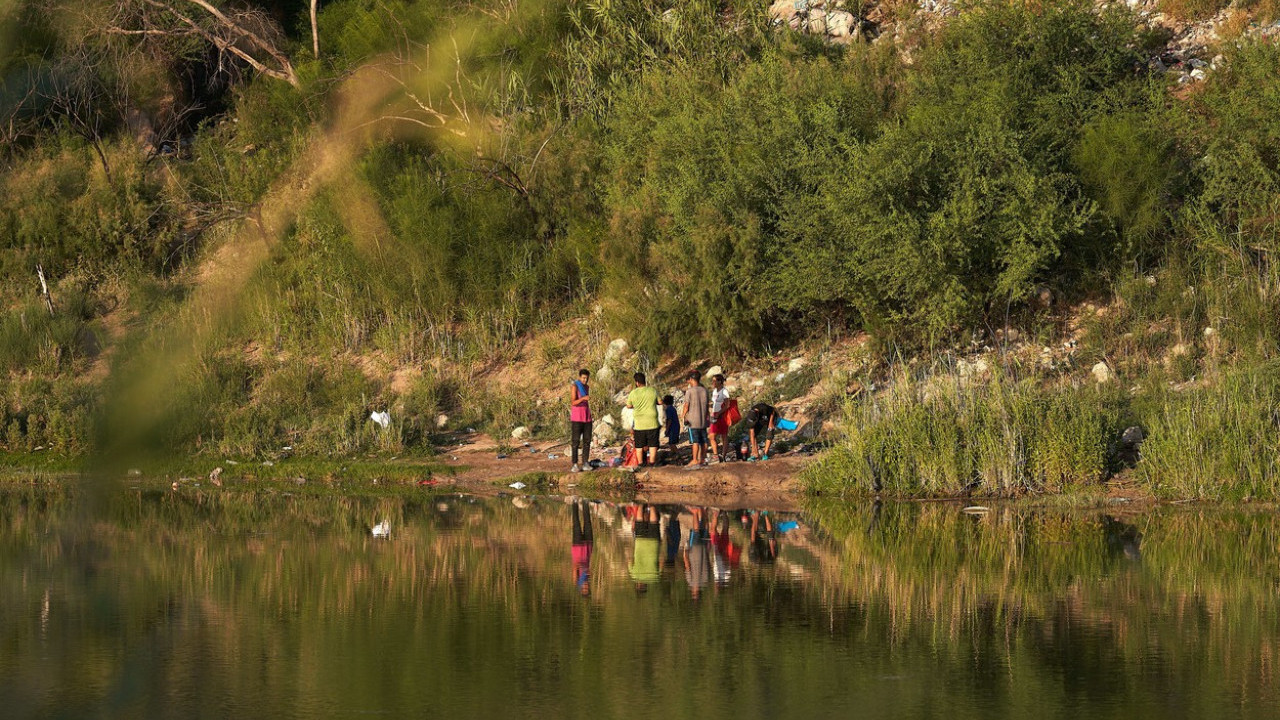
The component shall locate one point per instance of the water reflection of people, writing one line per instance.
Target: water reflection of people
(697, 560)
(726, 555)
(582, 542)
(671, 536)
(644, 556)
(1122, 538)
(764, 538)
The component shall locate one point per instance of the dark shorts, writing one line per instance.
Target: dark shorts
(647, 438)
(697, 436)
(763, 431)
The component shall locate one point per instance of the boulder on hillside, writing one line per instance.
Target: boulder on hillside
(1102, 373)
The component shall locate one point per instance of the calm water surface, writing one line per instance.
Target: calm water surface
(138, 604)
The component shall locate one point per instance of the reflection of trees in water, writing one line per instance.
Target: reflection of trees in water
(1013, 595)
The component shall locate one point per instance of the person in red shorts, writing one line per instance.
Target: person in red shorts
(720, 420)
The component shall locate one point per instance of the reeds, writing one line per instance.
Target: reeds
(949, 437)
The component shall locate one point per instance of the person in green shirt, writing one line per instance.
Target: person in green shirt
(643, 400)
(644, 555)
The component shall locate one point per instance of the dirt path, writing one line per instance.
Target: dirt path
(765, 485)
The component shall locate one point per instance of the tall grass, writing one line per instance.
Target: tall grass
(1217, 442)
(939, 438)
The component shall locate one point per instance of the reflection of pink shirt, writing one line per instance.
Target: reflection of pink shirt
(581, 554)
(580, 413)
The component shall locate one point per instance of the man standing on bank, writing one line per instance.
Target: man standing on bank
(644, 433)
(580, 419)
(696, 404)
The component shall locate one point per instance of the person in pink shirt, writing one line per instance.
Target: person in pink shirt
(580, 420)
(581, 549)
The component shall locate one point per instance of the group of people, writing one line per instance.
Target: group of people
(706, 415)
(704, 549)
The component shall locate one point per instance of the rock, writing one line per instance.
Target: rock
(796, 364)
(817, 23)
(520, 433)
(972, 368)
(1102, 373)
(712, 371)
(1012, 335)
(628, 418)
(607, 420)
(783, 10)
(780, 377)
(442, 421)
(615, 351)
(1132, 436)
(1209, 333)
(1044, 296)
(757, 383)
(840, 23)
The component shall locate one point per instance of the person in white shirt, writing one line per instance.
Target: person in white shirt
(719, 430)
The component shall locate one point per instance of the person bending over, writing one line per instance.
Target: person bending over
(761, 420)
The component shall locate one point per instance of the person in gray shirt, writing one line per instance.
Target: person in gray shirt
(695, 413)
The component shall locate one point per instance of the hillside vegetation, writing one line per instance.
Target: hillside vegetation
(251, 245)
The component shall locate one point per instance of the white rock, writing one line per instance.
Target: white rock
(783, 10)
(780, 377)
(840, 23)
(442, 420)
(615, 351)
(607, 420)
(1102, 373)
(1209, 333)
(520, 433)
(796, 364)
(972, 368)
(713, 371)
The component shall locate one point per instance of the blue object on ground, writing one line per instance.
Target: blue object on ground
(784, 424)
(788, 526)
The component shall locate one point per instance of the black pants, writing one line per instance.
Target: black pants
(580, 433)
(582, 532)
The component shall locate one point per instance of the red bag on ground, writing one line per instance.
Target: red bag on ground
(630, 458)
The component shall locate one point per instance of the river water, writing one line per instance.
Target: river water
(146, 604)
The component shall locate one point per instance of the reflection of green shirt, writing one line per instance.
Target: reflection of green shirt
(644, 568)
(645, 401)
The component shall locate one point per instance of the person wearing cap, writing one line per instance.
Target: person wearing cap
(695, 415)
